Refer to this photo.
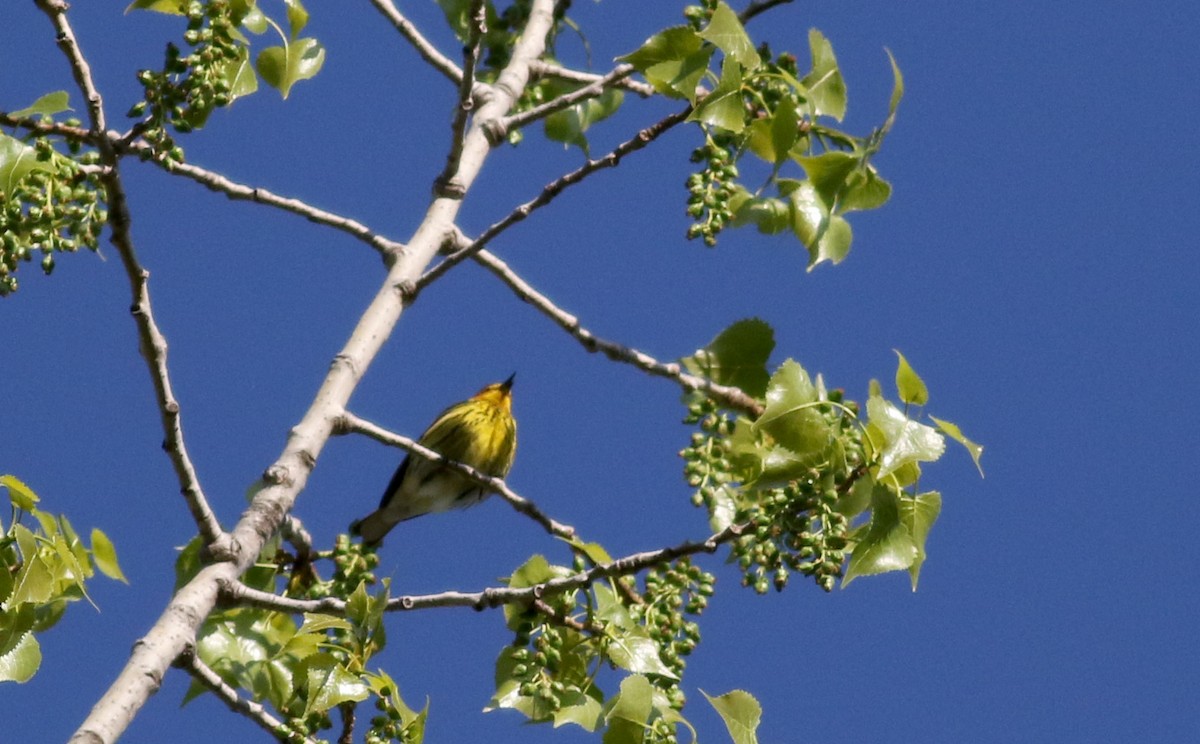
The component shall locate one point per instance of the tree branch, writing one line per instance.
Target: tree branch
(759, 6)
(445, 184)
(542, 68)
(427, 50)
(496, 596)
(256, 712)
(348, 422)
(591, 90)
(731, 397)
(176, 628)
(153, 343)
(550, 191)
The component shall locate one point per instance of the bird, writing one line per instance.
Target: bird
(480, 432)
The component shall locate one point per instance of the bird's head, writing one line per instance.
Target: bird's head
(498, 393)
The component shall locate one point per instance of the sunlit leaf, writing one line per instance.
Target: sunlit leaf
(105, 555)
(828, 173)
(47, 105)
(329, 685)
(21, 495)
(897, 92)
(910, 385)
(810, 216)
(834, 244)
(864, 189)
(737, 357)
(790, 417)
(22, 661)
(723, 107)
(956, 434)
(634, 651)
(826, 88)
(741, 714)
(569, 125)
(582, 710)
(629, 711)
(172, 7)
(297, 17)
(906, 440)
(673, 61)
(284, 66)
(726, 32)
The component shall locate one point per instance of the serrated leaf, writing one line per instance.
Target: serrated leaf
(284, 66)
(887, 544)
(725, 31)
(329, 685)
(21, 495)
(828, 173)
(669, 45)
(22, 661)
(790, 417)
(47, 105)
(104, 553)
(318, 623)
(956, 434)
(826, 88)
(918, 515)
(736, 357)
(633, 650)
(723, 107)
(906, 441)
(910, 385)
(673, 61)
(741, 713)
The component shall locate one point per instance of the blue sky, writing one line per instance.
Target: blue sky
(1036, 264)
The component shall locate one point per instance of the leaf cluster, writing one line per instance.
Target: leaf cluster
(42, 570)
(826, 493)
(50, 202)
(756, 103)
(217, 69)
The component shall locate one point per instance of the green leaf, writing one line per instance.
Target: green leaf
(634, 651)
(737, 357)
(810, 216)
(582, 710)
(956, 434)
(864, 189)
(785, 129)
(791, 417)
(857, 499)
(897, 92)
(771, 216)
(906, 441)
(22, 661)
(834, 244)
(918, 515)
(47, 105)
(887, 545)
(297, 17)
(104, 553)
(508, 691)
(726, 32)
(17, 160)
(673, 61)
(629, 711)
(826, 88)
(171, 7)
(568, 126)
(284, 66)
(741, 713)
(828, 173)
(723, 107)
(329, 685)
(21, 496)
(909, 383)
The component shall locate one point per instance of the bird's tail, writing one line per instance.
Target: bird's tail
(372, 527)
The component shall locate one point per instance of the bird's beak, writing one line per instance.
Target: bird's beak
(507, 384)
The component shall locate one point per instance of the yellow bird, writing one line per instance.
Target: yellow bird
(480, 432)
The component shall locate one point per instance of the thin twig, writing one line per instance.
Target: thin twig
(496, 596)
(255, 711)
(153, 343)
(427, 50)
(542, 68)
(550, 191)
(732, 397)
(348, 422)
(591, 90)
(445, 184)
